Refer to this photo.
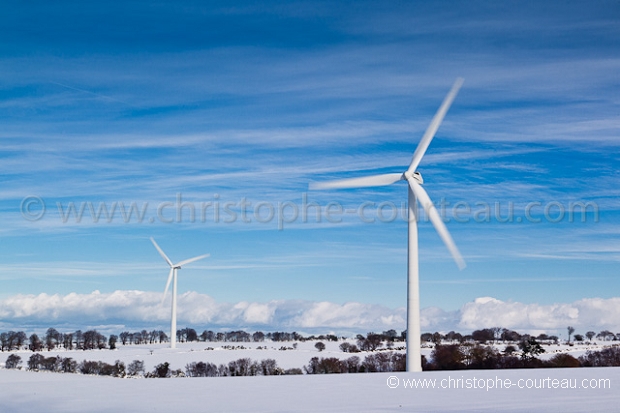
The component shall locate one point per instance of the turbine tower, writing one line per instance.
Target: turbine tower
(173, 277)
(416, 193)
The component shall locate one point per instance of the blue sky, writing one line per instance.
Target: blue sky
(135, 102)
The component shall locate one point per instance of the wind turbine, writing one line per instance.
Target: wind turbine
(173, 277)
(416, 192)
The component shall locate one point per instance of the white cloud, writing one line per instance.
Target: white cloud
(138, 308)
(141, 309)
(588, 313)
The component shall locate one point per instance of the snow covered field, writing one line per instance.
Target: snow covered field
(29, 391)
(225, 352)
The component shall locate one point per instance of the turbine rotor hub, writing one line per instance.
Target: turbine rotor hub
(416, 176)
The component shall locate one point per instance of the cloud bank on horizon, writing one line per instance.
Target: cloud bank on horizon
(140, 309)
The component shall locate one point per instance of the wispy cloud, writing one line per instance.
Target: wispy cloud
(207, 102)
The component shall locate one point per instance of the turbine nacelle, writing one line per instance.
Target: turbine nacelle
(416, 176)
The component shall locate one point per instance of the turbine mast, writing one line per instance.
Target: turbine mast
(414, 355)
(173, 322)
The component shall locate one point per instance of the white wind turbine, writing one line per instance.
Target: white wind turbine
(173, 277)
(416, 192)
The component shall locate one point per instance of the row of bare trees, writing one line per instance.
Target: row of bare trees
(504, 335)
(477, 356)
(87, 340)
(143, 337)
(91, 339)
(443, 357)
(378, 362)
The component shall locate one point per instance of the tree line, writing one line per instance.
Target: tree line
(499, 334)
(240, 367)
(443, 357)
(478, 356)
(92, 339)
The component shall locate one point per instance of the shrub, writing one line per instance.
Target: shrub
(563, 360)
(607, 357)
(243, 367)
(135, 368)
(89, 367)
(349, 348)
(162, 370)
(201, 369)
(68, 365)
(384, 362)
(13, 361)
(269, 367)
(34, 362)
(447, 357)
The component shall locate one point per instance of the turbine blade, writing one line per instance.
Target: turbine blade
(167, 284)
(184, 262)
(434, 125)
(365, 181)
(433, 215)
(161, 252)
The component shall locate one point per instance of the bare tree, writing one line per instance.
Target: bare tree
(67, 341)
(112, 341)
(35, 343)
(52, 338)
(201, 369)
(68, 365)
(371, 342)
(13, 361)
(162, 370)
(93, 340)
(135, 368)
(34, 362)
(497, 333)
(16, 340)
(124, 336)
(4, 341)
(269, 367)
(605, 335)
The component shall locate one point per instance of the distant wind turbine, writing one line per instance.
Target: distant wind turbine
(416, 192)
(173, 276)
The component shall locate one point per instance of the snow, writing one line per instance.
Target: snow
(54, 392)
(212, 352)
(57, 392)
